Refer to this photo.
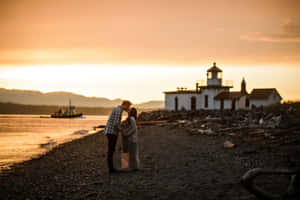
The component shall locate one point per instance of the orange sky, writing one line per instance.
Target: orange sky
(259, 38)
(189, 32)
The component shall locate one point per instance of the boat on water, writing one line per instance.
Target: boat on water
(69, 112)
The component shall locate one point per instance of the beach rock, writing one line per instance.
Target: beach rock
(291, 110)
(228, 144)
(212, 119)
(207, 131)
(257, 132)
(48, 145)
(250, 123)
(261, 121)
(81, 132)
(182, 121)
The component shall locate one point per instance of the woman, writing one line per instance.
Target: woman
(131, 135)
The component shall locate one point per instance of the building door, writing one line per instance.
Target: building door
(193, 103)
(176, 103)
(233, 104)
(206, 101)
(222, 104)
(247, 103)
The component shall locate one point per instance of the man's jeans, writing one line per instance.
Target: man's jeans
(112, 141)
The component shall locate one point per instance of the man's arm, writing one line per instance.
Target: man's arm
(116, 119)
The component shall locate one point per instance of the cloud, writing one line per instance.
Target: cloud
(289, 32)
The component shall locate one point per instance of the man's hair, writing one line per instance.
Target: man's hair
(126, 102)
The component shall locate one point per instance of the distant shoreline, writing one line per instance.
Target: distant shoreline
(12, 108)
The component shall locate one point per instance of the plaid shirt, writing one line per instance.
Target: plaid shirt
(114, 121)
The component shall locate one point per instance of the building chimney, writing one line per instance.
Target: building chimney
(243, 87)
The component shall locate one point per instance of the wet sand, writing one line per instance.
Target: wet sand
(176, 165)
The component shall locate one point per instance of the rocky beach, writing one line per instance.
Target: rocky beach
(184, 155)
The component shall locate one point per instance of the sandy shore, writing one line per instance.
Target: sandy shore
(176, 165)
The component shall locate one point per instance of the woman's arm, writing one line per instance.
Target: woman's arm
(132, 128)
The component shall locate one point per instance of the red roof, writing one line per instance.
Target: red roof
(214, 68)
(229, 95)
(263, 93)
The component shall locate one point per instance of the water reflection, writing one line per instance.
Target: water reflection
(23, 137)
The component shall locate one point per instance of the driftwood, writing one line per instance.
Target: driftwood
(152, 122)
(293, 191)
(100, 126)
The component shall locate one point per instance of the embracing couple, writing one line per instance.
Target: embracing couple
(128, 131)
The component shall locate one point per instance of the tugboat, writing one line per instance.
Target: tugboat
(70, 112)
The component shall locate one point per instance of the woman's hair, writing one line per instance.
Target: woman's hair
(132, 113)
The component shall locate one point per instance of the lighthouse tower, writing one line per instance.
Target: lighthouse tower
(214, 76)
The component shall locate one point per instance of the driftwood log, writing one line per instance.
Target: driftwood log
(292, 193)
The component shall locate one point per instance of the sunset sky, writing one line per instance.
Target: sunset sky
(137, 49)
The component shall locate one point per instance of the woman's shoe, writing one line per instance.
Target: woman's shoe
(113, 170)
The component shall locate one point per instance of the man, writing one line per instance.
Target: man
(112, 129)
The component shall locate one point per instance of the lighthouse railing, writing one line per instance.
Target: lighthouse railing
(225, 83)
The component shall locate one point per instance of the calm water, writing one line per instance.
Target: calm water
(22, 136)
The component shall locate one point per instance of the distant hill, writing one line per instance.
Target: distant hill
(29, 97)
(151, 105)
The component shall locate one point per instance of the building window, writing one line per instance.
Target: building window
(193, 103)
(176, 103)
(206, 101)
(219, 75)
(209, 75)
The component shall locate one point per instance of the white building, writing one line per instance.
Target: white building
(264, 97)
(214, 95)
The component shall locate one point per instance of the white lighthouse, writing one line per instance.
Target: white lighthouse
(215, 95)
(214, 76)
